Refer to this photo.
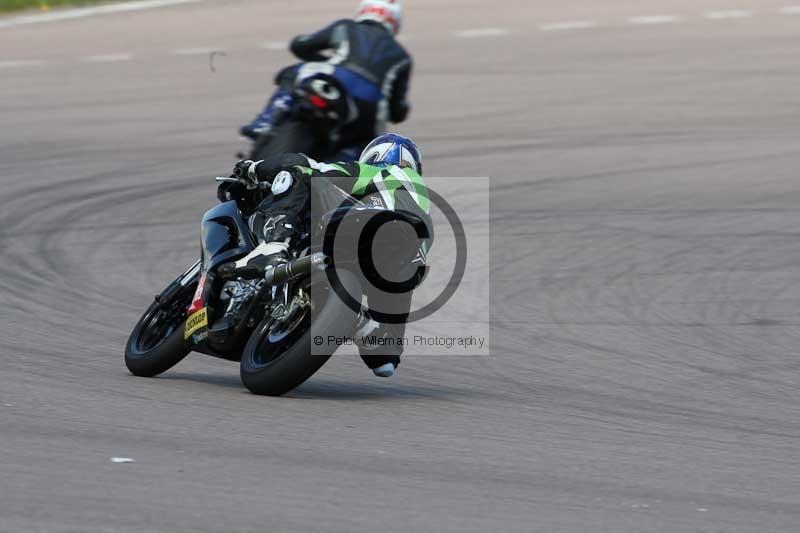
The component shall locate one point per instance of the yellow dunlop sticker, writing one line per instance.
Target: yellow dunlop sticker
(197, 321)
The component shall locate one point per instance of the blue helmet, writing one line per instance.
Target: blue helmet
(392, 149)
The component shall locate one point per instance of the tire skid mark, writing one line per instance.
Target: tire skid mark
(45, 268)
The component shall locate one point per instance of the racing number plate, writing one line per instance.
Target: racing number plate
(196, 322)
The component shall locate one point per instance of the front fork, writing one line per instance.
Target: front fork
(184, 280)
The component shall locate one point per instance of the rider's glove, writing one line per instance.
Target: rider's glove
(245, 172)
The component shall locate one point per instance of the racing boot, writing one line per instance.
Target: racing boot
(376, 346)
(277, 108)
(239, 287)
(255, 264)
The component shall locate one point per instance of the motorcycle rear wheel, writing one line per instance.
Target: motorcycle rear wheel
(291, 137)
(275, 362)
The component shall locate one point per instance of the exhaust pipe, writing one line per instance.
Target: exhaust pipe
(295, 269)
(299, 268)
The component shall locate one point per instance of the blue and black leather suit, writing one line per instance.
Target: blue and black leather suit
(368, 61)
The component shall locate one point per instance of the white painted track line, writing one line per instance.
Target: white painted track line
(654, 19)
(482, 32)
(68, 14)
(555, 26)
(274, 45)
(729, 14)
(568, 25)
(22, 63)
(107, 58)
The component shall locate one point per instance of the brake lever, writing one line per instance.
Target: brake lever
(263, 185)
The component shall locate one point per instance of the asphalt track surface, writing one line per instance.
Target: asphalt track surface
(645, 366)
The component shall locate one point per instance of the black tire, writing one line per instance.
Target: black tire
(273, 374)
(290, 137)
(156, 343)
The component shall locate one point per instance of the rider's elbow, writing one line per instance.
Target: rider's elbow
(400, 112)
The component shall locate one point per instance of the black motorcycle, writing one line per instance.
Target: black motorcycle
(263, 317)
(313, 124)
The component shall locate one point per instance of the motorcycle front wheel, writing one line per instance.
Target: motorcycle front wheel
(278, 357)
(156, 343)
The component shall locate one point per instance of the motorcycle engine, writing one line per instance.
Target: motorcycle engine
(236, 293)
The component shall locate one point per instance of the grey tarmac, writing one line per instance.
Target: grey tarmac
(644, 365)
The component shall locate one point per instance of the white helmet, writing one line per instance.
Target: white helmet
(387, 12)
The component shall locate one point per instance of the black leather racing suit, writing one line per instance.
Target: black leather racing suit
(281, 214)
